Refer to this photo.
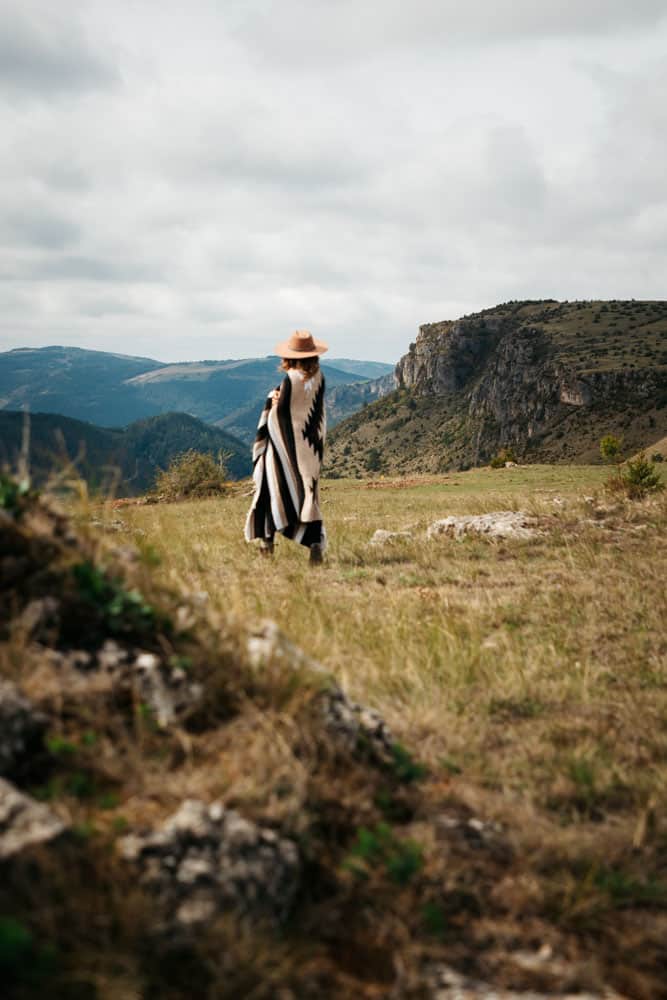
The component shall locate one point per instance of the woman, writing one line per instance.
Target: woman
(287, 455)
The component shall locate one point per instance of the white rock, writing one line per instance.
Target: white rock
(24, 822)
(382, 536)
(499, 524)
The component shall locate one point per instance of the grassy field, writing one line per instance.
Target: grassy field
(533, 670)
(524, 814)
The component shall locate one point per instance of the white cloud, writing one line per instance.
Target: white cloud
(189, 186)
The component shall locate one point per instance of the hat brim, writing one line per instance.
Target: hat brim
(284, 351)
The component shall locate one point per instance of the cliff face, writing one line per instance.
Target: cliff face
(527, 375)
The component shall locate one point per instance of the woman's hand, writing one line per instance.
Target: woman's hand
(275, 396)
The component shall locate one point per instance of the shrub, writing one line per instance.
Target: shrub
(504, 455)
(610, 448)
(373, 460)
(637, 479)
(192, 474)
(657, 456)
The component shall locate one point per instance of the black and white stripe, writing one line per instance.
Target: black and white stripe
(287, 456)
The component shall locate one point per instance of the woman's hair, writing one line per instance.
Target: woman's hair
(309, 366)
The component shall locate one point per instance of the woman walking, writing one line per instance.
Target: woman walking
(288, 449)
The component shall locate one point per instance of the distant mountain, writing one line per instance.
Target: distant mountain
(546, 378)
(86, 385)
(111, 390)
(126, 461)
(366, 369)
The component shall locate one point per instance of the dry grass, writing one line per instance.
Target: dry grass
(515, 661)
(528, 676)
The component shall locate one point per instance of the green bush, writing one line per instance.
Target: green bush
(657, 456)
(504, 455)
(637, 479)
(373, 460)
(379, 849)
(192, 474)
(610, 448)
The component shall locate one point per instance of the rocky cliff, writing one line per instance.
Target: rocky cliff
(545, 378)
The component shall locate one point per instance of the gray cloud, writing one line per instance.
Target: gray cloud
(356, 169)
(30, 227)
(43, 53)
(307, 34)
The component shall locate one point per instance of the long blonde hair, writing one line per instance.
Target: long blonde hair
(309, 366)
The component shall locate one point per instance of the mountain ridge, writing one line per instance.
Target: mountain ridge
(113, 390)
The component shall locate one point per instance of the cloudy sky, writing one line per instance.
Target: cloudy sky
(196, 180)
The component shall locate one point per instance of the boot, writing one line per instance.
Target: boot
(316, 554)
(266, 547)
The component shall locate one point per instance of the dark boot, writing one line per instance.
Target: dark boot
(266, 547)
(316, 554)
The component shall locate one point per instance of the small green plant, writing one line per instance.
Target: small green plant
(12, 493)
(405, 767)
(380, 849)
(192, 474)
(122, 610)
(657, 456)
(434, 919)
(22, 962)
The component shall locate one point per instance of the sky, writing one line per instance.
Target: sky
(189, 181)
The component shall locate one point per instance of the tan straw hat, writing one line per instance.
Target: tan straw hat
(301, 344)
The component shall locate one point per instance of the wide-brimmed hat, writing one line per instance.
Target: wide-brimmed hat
(301, 344)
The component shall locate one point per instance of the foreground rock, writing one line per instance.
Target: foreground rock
(21, 728)
(350, 724)
(447, 984)
(208, 860)
(499, 524)
(24, 822)
(79, 675)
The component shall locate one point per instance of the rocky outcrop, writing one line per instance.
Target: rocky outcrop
(23, 822)
(447, 355)
(346, 722)
(500, 524)
(519, 371)
(21, 728)
(116, 669)
(446, 983)
(206, 860)
(344, 400)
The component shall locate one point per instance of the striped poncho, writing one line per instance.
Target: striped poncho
(287, 457)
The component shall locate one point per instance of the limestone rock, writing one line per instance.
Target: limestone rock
(21, 727)
(165, 689)
(206, 860)
(382, 536)
(350, 724)
(444, 983)
(24, 822)
(500, 524)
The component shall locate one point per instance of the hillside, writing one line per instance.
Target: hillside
(545, 378)
(112, 390)
(123, 460)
